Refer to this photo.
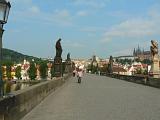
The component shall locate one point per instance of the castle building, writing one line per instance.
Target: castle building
(141, 54)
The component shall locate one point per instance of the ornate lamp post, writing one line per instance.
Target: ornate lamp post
(4, 12)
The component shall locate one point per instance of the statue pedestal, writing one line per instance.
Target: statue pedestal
(68, 67)
(58, 66)
(154, 72)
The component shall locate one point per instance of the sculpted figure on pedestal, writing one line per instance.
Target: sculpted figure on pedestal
(154, 48)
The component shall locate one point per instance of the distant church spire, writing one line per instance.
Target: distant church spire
(138, 50)
(134, 52)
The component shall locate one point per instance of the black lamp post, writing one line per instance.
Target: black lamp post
(4, 12)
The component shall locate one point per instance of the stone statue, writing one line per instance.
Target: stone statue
(111, 61)
(68, 57)
(110, 65)
(154, 72)
(58, 48)
(154, 48)
(94, 58)
(68, 65)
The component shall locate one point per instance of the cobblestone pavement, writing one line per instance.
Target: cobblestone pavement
(99, 98)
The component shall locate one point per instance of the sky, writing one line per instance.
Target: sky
(86, 27)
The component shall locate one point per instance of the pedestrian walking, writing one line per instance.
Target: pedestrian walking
(79, 75)
(74, 73)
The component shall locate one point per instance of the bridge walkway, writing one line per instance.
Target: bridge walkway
(99, 98)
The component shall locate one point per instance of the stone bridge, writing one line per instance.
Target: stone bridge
(99, 98)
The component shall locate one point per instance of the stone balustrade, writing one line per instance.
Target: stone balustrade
(145, 80)
(19, 103)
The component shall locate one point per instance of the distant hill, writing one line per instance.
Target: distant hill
(12, 55)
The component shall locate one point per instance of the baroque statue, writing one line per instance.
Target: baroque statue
(110, 65)
(58, 48)
(68, 56)
(154, 48)
(154, 72)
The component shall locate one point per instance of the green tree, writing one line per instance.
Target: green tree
(137, 60)
(8, 69)
(32, 71)
(145, 72)
(3, 72)
(124, 61)
(18, 72)
(43, 69)
(117, 60)
(139, 71)
(9, 72)
(147, 61)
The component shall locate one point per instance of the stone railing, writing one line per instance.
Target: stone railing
(19, 103)
(145, 80)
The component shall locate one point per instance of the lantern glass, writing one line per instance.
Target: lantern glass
(7, 12)
(4, 11)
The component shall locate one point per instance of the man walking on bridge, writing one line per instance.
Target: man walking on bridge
(79, 75)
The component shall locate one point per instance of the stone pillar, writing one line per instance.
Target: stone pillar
(68, 67)
(155, 68)
(68, 64)
(58, 66)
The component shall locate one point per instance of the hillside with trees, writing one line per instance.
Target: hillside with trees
(11, 55)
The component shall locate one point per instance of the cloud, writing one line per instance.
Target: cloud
(25, 2)
(106, 39)
(28, 11)
(34, 9)
(59, 17)
(134, 28)
(127, 34)
(127, 51)
(62, 13)
(73, 44)
(131, 28)
(35, 14)
(24, 8)
(119, 14)
(91, 3)
(154, 11)
(82, 13)
(92, 29)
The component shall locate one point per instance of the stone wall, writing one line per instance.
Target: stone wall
(17, 105)
(154, 82)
